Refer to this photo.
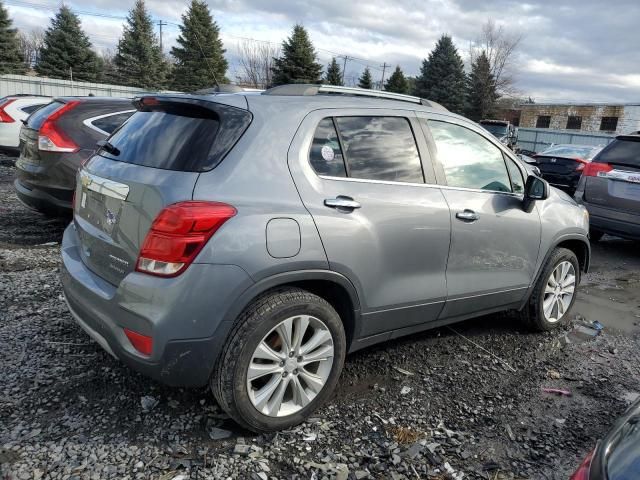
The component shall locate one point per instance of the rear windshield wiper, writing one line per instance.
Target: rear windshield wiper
(109, 148)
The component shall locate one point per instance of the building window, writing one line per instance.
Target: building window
(543, 121)
(609, 124)
(516, 121)
(574, 123)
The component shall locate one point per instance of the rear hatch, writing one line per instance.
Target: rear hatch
(152, 161)
(613, 178)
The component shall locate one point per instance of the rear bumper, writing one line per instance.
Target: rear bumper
(182, 315)
(621, 224)
(58, 202)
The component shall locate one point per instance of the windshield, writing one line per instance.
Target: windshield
(572, 151)
(496, 129)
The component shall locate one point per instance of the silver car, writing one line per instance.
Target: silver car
(251, 241)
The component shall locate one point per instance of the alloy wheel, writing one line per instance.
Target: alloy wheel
(559, 291)
(290, 366)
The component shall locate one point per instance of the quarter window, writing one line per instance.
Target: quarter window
(380, 148)
(111, 122)
(469, 160)
(517, 180)
(326, 154)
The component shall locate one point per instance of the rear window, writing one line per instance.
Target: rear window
(569, 151)
(621, 152)
(179, 136)
(40, 115)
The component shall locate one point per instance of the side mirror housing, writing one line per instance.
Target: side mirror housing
(535, 189)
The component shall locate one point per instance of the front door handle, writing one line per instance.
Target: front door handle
(467, 216)
(342, 203)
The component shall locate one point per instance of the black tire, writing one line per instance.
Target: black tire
(532, 313)
(228, 381)
(595, 235)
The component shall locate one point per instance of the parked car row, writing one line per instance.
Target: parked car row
(605, 180)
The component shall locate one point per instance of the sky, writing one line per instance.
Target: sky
(571, 50)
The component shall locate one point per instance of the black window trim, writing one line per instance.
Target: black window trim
(442, 179)
(406, 114)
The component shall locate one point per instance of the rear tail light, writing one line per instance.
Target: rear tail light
(581, 164)
(141, 343)
(178, 234)
(595, 169)
(51, 137)
(4, 116)
(582, 473)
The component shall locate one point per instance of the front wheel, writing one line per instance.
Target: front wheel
(555, 291)
(281, 362)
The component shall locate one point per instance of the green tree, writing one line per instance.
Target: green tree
(442, 78)
(67, 50)
(334, 74)
(138, 59)
(11, 59)
(199, 55)
(397, 82)
(482, 94)
(297, 64)
(365, 80)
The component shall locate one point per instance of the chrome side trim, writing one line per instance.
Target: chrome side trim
(110, 188)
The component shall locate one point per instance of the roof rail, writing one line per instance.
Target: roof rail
(298, 89)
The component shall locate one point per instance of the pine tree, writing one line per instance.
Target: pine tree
(67, 50)
(397, 82)
(298, 61)
(442, 78)
(481, 95)
(365, 80)
(200, 61)
(138, 58)
(334, 75)
(11, 60)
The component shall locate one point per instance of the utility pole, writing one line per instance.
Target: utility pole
(384, 68)
(160, 24)
(344, 67)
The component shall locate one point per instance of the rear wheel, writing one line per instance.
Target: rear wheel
(281, 362)
(555, 291)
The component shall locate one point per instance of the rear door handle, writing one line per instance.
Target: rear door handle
(467, 216)
(342, 203)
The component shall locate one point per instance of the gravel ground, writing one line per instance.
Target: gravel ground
(453, 403)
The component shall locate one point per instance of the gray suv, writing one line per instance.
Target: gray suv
(250, 241)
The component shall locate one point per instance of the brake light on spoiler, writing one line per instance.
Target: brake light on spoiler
(178, 234)
(51, 138)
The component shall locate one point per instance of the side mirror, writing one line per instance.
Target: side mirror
(536, 188)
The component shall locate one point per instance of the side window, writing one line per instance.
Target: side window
(469, 160)
(517, 180)
(326, 155)
(110, 123)
(380, 148)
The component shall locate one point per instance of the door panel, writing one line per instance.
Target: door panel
(494, 242)
(393, 246)
(492, 259)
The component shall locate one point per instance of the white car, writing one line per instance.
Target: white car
(14, 109)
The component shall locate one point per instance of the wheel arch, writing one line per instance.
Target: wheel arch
(331, 286)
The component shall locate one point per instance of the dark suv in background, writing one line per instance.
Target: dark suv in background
(55, 140)
(610, 189)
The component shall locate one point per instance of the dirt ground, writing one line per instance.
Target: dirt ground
(461, 402)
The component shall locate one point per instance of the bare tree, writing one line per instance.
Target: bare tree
(30, 43)
(500, 46)
(256, 60)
